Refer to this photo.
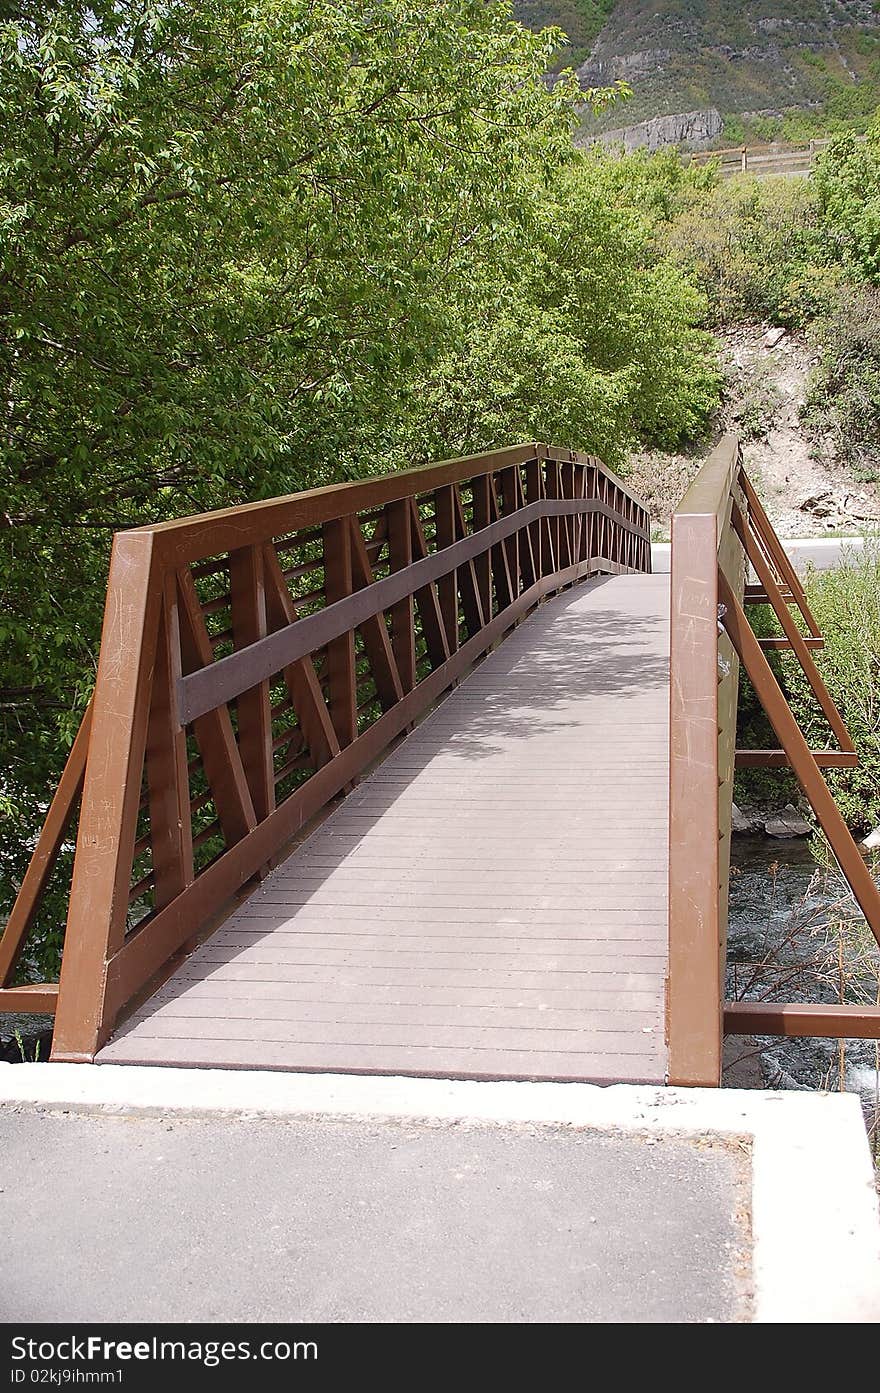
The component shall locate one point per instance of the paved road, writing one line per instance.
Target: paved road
(823, 553)
(125, 1218)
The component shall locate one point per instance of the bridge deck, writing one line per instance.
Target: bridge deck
(490, 902)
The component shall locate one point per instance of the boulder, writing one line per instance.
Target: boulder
(787, 824)
(872, 841)
(745, 820)
(773, 337)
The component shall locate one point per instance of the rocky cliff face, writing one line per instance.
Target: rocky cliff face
(694, 129)
(736, 56)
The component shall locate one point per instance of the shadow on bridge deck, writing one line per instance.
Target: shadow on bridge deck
(491, 902)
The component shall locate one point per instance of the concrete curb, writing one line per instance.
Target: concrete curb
(816, 1229)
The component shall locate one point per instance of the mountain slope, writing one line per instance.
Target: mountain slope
(749, 58)
(581, 20)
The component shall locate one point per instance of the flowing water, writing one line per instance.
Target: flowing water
(785, 943)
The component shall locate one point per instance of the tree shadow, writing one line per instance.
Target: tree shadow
(562, 667)
(582, 660)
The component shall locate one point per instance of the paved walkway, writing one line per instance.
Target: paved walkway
(277, 1195)
(140, 1218)
(490, 903)
(820, 553)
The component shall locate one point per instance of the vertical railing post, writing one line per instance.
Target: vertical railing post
(167, 775)
(534, 494)
(402, 617)
(503, 583)
(471, 602)
(249, 625)
(447, 586)
(553, 489)
(589, 539)
(341, 677)
(510, 500)
(568, 530)
(300, 677)
(603, 548)
(98, 907)
(694, 1004)
(583, 535)
(702, 723)
(427, 603)
(215, 737)
(482, 564)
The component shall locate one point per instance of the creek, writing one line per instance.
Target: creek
(785, 943)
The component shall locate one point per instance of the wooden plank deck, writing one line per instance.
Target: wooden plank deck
(490, 903)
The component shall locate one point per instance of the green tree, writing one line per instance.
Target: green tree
(229, 232)
(593, 341)
(249, 246)
(848, 185)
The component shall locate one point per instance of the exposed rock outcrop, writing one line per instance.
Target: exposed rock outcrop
(695, 129)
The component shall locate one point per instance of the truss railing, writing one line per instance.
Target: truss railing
(718, 530)
(254, 662)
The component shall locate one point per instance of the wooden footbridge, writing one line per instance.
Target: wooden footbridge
(427, 774)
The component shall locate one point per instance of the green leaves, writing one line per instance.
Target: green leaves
(250, 246)
(233, 233)
(848, 186)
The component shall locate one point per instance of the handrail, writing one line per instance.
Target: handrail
(209, 688)
(255, 660)
(718, 529)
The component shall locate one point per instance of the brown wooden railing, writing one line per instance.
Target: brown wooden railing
(254, 662)
(717, 529)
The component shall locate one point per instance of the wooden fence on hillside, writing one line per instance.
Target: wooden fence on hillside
(763, 160)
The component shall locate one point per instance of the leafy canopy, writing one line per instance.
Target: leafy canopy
(249, 246)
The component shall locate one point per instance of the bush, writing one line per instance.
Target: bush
(756, 247)
(843, 401)
(846, 603)
(847, 183)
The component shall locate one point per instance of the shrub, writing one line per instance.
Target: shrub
(755, 247)
(844, 396)
(846, 603)
(848, 187)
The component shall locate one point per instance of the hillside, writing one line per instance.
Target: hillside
(581, 20)
(772, 68)
(807, 489)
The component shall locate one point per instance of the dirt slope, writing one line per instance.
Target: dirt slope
(805, 489)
